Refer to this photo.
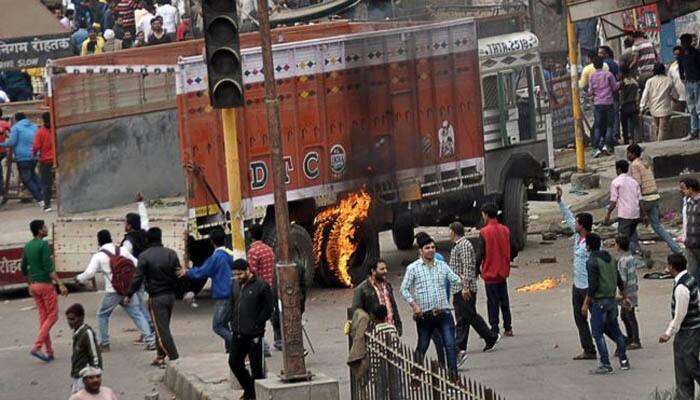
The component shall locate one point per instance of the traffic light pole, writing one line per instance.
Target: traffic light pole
(233, 180)
(294, 367)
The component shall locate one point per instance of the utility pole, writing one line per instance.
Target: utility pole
(294, 367)
(575, 98)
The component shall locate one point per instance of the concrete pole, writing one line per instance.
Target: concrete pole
(575, 98)
(287, 276)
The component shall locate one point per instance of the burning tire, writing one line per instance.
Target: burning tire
(402, 231)
(344, 241)
(301, 249)
(515, 210)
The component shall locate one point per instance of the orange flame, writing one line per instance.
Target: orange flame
(545, 284)
(343, 221)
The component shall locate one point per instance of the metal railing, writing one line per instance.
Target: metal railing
(397, 373)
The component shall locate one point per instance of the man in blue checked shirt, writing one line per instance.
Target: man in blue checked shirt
(423, 287)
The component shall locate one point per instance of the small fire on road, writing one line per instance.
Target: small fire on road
(335, 230)
(545, 284)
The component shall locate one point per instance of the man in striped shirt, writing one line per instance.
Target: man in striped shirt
(644, 57)
(424, 289)
(463, 263)
(125, 12)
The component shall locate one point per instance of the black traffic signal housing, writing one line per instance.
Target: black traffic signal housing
(223, 54)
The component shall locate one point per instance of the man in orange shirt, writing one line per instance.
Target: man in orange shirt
(4, 130)
(43, 146)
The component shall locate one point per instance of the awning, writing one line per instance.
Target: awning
(30, 35)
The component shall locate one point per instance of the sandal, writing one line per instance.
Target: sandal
(158, 362)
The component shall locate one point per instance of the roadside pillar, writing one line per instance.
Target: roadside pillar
(233, 179)
(294, 367)
(575, 98)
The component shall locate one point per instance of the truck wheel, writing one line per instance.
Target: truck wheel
(301, 249)
(366, 253)
(402, 231)
(515, 210)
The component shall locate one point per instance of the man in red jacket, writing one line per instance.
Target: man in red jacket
(43, 146)
(495, 267)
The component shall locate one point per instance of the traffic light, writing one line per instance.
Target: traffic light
(223, 53)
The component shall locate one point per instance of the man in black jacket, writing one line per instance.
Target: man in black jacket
(158, 267)
(375, 291)
(251, 307)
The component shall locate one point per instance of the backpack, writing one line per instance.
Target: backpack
(123, 270)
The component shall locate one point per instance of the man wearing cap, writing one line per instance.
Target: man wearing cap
(93, 390)
(86, 352)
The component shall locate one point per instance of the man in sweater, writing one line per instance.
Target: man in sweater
(603, 281)
(251, 307)
(602, 88)
(689, 70)
(86, 352)
(495, 267)
(626, 196)
(21, 140)
(685, 325)
(692, 227)
(218, 268)
(101, 263)
(43, 147)
(641, 173)
(463, 263)
(38, 268)
(157, 268)
(581, 225)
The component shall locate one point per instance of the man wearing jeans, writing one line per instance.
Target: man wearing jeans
(689, 69)
(21, 140)
(218, 268)
(686, 326)
(641, 173)
(423, 288)
(38, 268)
(626, 196)
(602, 87)
(43, 147)
(581, 225)
(100, 262)
(603, 282)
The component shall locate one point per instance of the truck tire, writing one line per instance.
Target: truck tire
(366, 253)
(402, 231)
(301, 248)
(515, 210)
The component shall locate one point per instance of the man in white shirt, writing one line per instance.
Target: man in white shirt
(685, 326)
(675, 75)
(100, 262)
(143, 22)
(170, 17)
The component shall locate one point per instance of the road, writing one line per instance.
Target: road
(534, 364)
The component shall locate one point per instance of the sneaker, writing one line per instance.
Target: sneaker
(602, 370)
(624, 365)
(689, 138)
(461, 358)
(38, 354)
(306, 352)
(48, 209)
(597, 154)
(40, 203)
(150, 347)
(490, 346)
(607, 150)
(50, 357)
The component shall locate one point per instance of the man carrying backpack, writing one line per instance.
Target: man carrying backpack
(118, 267)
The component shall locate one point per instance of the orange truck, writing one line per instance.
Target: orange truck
(384, 126)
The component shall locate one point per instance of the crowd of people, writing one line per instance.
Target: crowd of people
(104, 26)
(638, 83)
(143, 276)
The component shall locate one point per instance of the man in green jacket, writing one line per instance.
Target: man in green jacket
(603, 282)
(38, 268)
(375, 291)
